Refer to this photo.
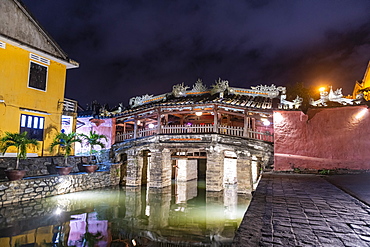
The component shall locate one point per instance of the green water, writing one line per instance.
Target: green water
(184, 214)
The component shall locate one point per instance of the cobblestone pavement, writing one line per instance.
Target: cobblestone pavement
(303, 210)
(357, 185)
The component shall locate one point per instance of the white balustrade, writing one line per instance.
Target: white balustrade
(231, 130)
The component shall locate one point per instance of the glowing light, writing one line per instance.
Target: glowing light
(151, 126)
(58, 211)
(322, 89)
(265, 121)
(133, 242)
(361, 114)
(199, 113)
(188, 124)
(278, 118)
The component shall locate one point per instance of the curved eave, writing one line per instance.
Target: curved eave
(229, 102)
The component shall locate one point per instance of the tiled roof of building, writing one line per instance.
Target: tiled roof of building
(260, 97)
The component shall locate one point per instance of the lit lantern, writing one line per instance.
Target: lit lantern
(265, 121)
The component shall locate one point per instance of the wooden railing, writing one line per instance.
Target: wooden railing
(124, 136)
(184, 129)
(231, 130)
(147, 132)
(197, 129)
(263, 136)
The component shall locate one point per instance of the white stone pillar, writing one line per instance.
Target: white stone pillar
(186, 169)
(230, 171)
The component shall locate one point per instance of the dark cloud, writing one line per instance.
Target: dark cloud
(130, 48)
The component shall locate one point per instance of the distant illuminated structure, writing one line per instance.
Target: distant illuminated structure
(362, 88)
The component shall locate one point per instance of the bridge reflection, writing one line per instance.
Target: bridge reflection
(182, 213)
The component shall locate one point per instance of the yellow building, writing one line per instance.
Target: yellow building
(32, 77)
(363, 84)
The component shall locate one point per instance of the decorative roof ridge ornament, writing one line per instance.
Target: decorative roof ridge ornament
(272, 91)
(264, 91)
(220, 86)
(138, 100)
(179, 90)
(144, 99)
(333, 96)
(199, 87)
(285, 104)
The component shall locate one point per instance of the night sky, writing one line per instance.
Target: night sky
(133, 47)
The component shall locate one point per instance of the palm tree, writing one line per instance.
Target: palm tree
(65, 141)
(18, 140)
(93, 139)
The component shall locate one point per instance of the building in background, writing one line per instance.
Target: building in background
(363, 86)
(32, 79)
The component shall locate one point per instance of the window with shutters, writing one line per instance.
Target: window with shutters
(38, 76)
(34, 125)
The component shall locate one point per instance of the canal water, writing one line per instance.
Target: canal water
(184, 214)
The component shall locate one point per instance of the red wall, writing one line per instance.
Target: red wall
(327, 138)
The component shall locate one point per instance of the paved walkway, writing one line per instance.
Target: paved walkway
(306, 210)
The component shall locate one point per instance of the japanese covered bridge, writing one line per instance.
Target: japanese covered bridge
(223, 135)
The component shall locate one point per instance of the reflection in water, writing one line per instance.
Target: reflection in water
(132, 216)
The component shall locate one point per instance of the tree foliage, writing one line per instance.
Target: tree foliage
(306, 93)
(65, 142)
(18, 140)
(93, 139)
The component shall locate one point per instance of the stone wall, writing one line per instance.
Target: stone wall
(326, 138)
(40, 166)
(44, 186)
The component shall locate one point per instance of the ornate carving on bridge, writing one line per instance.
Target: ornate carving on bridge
(272, 91)
(179, 90)
(105, 113)
(220, 86)
(199, 87)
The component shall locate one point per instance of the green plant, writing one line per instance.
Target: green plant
(324, 172)
(18, 140)
(90, 239)
(93, 139)
(65, 142)
(296, 170)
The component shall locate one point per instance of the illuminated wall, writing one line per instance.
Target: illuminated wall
(100, 126)
(326, 138)
(17, 97)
